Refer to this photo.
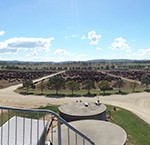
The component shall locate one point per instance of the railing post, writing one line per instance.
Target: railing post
(59, 132)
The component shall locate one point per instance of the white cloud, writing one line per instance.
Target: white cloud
(74, 35)
(31, 44)
(71, 36)
(64, 55)
(93, 37)
(62, 52)
(120, 44)
(135, 54)
(98, 48)
(66, 37)
(143, 53)
(83, 37)
(2, 33)
(33, 53)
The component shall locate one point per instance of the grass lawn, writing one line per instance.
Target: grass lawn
(63, 93)
(137, 130)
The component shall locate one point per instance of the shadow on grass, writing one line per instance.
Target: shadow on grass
(136, 91)
(40, 94)
(148, 90)
(121, 93)
(73, 95)
(26, 93)
(89, 95)
(55, 95)
(105, 94)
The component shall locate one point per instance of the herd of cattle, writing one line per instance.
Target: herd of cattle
(80, 76)
(134, 75)
(8, 78)
(12, 77)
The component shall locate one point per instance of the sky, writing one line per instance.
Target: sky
(74, 30)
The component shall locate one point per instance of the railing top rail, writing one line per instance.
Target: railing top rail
(54, 114)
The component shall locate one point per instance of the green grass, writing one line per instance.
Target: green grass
(54, 108)
(137, 130)
(67, 93)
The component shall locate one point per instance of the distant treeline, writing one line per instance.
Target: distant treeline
(76, 65)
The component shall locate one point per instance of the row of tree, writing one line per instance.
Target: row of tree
(57, 83)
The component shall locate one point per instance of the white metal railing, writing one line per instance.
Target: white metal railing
(34, 127)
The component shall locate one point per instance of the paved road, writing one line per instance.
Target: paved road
(138, 103)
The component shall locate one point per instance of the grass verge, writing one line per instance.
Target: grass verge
(67, 93)
(137, 130)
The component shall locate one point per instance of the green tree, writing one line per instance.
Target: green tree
(88, 85)
(42, 86)
(103, 85)
(56, 83)
(119, 84)
(107, 67)
(145, 80)
(72, 85)
(28, 83)
(133, 85)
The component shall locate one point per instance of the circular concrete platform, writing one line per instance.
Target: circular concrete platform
(101, 132)
(82, 110)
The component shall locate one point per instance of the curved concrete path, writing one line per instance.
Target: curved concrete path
(138, 103)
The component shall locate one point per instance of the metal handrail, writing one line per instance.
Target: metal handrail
(60, 121)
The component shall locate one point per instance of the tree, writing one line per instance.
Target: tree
(42, 86)
(145, 80)
(107, 67)
(27, 83)
(88, 85)
(56, 83)
(119, 83)
(72, 85)
(134, 85)
(103, 85)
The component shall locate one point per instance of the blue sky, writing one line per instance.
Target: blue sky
(63, 30)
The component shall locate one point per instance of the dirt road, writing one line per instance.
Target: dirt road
(138, 103)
